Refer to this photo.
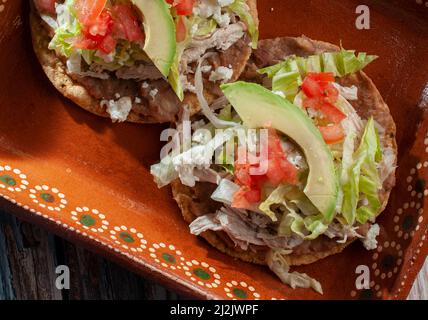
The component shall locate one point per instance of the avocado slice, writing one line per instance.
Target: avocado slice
(258, 107)
(159, 27)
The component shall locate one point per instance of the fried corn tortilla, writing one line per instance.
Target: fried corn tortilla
(196, 201)
(88, 92)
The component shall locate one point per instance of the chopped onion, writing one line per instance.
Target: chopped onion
(225, 191)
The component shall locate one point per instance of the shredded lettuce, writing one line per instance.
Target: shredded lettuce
(276, 197)
(241, 9)
(68, 28)
(183, 165)
(174, 73)
(287, 75)
(360, 191)
(309, 227)
(287, 82)
(278, 264)
(201, 27)
(174, 77)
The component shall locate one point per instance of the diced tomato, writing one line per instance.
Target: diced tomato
(313, 103)
(332, 113)
(288, 170)
(99, 35)
(239, 200)
(321, 95)
(180, 30)
(127, 23)
(322, 88)
(108, 44)
(244, 197)
(101, 28)
(183, 7)
(325, 77)
(242, 175)
(253, 195)
(330, 93)
(89, 10)
(274, 174)
(332, 134)
(311, 88)
(46, 6)
(279, 170)
(84, 43)
(274, 145)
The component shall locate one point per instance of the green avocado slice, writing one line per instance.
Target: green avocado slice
(159, 28)
(258, 107)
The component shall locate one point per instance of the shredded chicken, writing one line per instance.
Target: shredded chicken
(221, 39)
(207, 175)
(205, 223)
(242, 229)
(343, 232)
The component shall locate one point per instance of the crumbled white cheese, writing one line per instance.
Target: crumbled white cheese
(223, 20)
(201, 137)
(117, 95)
(145, 85)
(138, 100)
(370, 242)
(206, 8)
(118, 110)
(212, 8)
(221, 74)
(153, 93)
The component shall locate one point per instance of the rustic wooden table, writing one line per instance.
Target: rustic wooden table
(29, 256)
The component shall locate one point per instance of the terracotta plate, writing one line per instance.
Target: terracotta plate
(88, 180)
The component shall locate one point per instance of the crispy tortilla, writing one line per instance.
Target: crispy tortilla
(195, 202)
(164, 107)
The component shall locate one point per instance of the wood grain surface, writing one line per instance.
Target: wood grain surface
(420, 287)
(29, 256)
